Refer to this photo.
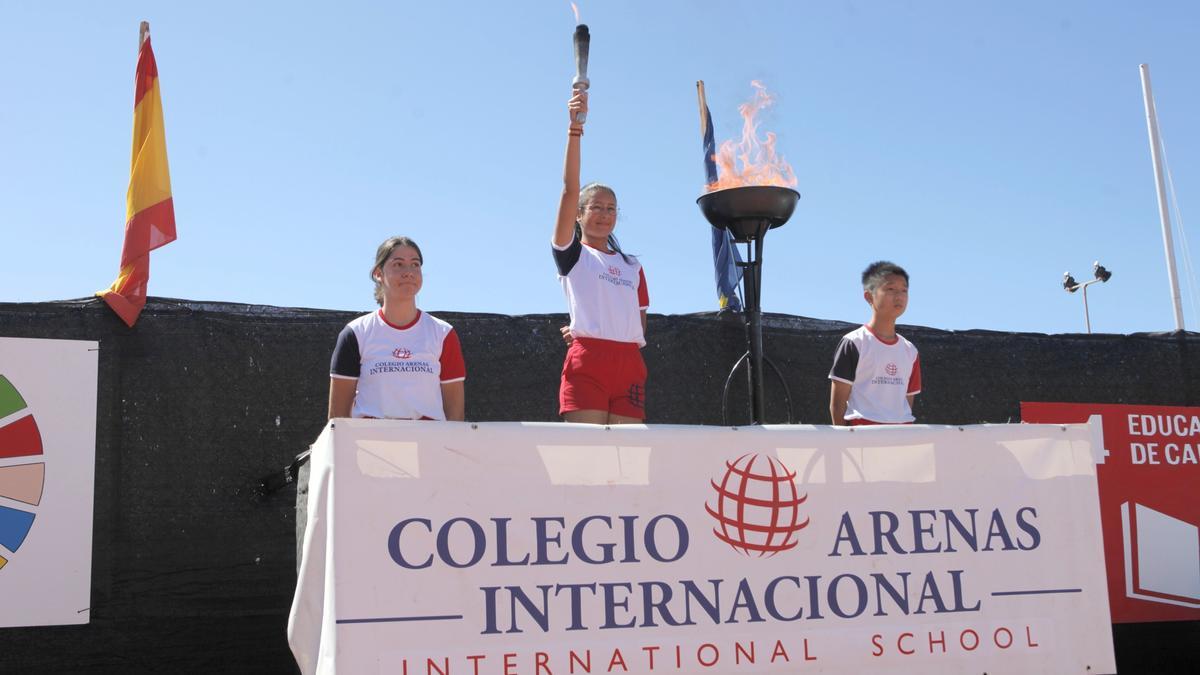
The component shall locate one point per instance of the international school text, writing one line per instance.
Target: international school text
(578, 609)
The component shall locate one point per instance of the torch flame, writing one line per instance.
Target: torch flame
(576, 10)
(760, 165)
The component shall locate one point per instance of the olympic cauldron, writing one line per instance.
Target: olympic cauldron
(748, 213)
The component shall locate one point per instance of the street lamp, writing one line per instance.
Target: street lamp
(1069, 283)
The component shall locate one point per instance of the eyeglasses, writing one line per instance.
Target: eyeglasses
(596, 208)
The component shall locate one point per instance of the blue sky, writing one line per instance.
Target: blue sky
(985, 146)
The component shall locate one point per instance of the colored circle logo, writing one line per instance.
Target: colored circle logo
(757, 513)
(22, 473)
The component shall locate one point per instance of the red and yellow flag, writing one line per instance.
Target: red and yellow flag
(149, 211)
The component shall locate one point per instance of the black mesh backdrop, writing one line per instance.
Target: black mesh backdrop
(194, 571)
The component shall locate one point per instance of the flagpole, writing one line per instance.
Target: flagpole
(703, 103)
(1164, 211)
(143, 32)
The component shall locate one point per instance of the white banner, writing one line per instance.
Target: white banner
(47, 465)
(510, 548)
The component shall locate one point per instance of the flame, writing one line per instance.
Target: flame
(576, 10)
(760, 164)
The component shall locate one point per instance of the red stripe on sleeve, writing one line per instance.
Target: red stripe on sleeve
(453, 366)
(914, 380)
(643, 294)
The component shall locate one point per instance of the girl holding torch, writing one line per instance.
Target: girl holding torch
(604, 376)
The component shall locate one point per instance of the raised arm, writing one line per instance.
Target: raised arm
(568, 205)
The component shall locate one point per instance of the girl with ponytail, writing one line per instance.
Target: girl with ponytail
(604, 376)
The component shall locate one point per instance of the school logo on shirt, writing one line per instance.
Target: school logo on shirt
(891, 369)
(613, 276)
(404, 365)
(772, 521)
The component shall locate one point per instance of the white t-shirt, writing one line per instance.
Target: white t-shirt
(400, 369)
(605, 294)
(882, 375)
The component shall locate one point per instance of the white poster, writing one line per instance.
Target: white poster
(436, 548)
(47, 466)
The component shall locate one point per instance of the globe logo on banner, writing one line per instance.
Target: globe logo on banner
(892, 369)
(757, 506)
(22, 473)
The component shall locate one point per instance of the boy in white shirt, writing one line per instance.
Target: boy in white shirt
(876, 372)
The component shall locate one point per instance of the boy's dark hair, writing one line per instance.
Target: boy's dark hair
(879, 270)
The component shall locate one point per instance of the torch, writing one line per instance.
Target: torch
(583, 41)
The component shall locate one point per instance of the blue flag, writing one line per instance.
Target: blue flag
(725, 254)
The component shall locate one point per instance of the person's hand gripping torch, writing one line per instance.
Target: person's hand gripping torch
(583, 41)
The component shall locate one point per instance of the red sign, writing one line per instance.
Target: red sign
(1149, 505)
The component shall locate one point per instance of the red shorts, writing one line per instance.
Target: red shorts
(603, 375)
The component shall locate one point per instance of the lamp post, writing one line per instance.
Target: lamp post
(1070, 285)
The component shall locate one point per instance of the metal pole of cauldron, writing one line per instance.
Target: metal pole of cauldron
(753, 279)
(749, 302)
